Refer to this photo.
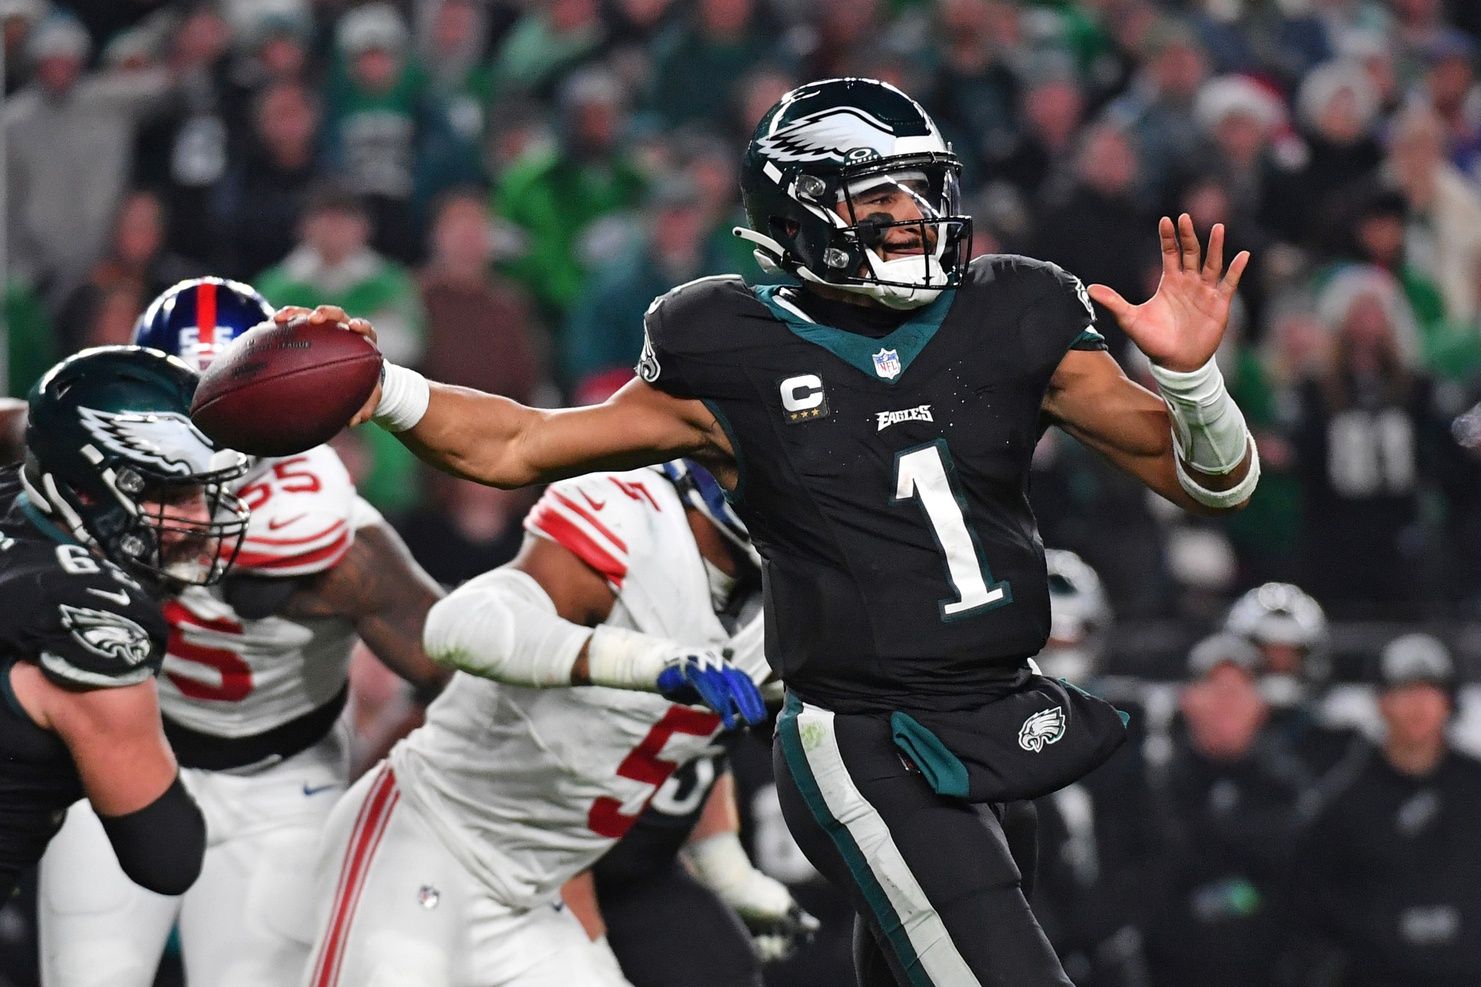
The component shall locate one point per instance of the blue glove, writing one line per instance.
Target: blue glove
(707, 679)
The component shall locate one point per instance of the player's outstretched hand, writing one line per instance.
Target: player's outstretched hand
(1181, 325)
(337, 316)
(707, 679)
(778, 937)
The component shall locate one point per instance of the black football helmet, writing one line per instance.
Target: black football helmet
(111, 454)
(828, 143)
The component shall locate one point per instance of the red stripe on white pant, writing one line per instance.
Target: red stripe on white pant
(375, 813)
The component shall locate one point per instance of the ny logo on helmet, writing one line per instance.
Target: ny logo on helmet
(165, 440)
(835, 134)
(1043, 727)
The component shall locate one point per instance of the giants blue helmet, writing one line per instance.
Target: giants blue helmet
(196, 319)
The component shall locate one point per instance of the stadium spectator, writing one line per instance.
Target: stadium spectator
(17, 19)
(697, 58)
(1391, 871)
(605, 327)
(974, 93)
(334, 260)
(1337, 113)
(1443, 238)
(1091, 228)
(480, 329)
(1052, 108)
(385, 136)
(69, 139)
(259, 203)
(550, 39)
(137, 265)
(1231, 800)
(1367, 441)
(556, 195)
(451, 43)
(1157, 108)
(183, 152)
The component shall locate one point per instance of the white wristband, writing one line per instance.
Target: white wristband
(404, 398)
(1236, 494)
(1207, 426)
(624, 659)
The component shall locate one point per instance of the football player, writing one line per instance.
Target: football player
(255, 677)
(120, 498)
(874, 423)
(445, 864)
(1289, 629)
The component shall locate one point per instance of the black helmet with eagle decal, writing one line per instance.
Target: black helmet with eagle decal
(816, 153)
(111, 454)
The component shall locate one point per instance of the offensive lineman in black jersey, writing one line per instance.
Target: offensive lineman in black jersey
(874, 424)
(119, 497)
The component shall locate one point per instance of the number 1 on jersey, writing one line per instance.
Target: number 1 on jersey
(926, 473)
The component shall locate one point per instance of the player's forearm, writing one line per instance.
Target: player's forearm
(474, 435)
(720, 813)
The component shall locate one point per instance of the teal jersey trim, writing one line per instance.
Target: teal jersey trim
(790, 737)
(858, 351)
(1089, 339)
(43, 523)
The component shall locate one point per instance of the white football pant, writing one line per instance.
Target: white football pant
(247, 920)
(398, 910)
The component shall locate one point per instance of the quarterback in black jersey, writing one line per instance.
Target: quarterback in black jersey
(119, 498)
(873, 423)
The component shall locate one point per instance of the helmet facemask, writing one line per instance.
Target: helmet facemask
(170, 529)
(845, 242)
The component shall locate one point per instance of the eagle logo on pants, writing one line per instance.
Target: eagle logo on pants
(1043, 727)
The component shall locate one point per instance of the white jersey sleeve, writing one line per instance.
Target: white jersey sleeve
(601, 518)
(304, 514)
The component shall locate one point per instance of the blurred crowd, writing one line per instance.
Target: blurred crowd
(503, 187)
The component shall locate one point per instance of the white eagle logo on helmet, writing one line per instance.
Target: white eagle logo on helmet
(165, 440)
(107, 634)
(1043, 727)
(834, 134)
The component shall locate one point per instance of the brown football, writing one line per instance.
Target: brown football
(278, 390)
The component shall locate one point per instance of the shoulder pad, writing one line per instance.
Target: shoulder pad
(699, 300)
(600, 518)
(302, 515)
(94, 631)
(681, 324)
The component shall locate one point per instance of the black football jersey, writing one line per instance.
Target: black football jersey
(87, 625)
(885, 479)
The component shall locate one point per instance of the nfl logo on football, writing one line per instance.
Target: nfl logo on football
(887, 364)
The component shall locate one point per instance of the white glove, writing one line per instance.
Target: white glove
(778, 925)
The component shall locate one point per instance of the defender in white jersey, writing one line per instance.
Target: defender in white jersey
(252, 687)
(443, 867)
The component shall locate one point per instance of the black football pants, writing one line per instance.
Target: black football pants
(668, 930)
(934, 879)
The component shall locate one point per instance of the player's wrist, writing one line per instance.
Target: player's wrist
(1208, 428)
(720, 863)
(620, 658)
(405, 395)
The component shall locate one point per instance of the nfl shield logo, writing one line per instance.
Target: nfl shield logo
(887, 364)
